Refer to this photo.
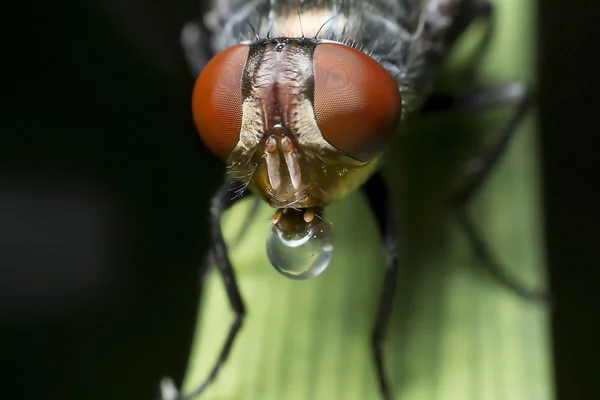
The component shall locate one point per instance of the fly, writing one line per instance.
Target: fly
(301, 100)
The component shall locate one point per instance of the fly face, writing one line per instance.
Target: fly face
(300, 121)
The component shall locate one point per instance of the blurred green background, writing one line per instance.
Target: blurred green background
(104, 188)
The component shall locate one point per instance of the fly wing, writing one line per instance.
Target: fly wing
(235, 21)
(440, 15)
(415, 64)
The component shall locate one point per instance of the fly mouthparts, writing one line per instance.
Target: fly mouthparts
(300, 246)
(308, 214)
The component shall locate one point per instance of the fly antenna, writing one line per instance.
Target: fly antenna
(323, 25)
(253, 30)
(300, 20)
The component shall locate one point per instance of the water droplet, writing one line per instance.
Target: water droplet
(300, 250)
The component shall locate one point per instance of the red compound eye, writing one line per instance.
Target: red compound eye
(217, 100)
(357, 102)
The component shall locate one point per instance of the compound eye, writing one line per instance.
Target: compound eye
(357, 102)
(217, 100)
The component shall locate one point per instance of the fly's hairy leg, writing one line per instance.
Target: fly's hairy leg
(221, 201)
(517, 96)
(382, 206)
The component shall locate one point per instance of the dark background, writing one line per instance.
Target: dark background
(569, 107)
(100, 166)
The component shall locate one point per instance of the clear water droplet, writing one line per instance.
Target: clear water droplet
(302, 252)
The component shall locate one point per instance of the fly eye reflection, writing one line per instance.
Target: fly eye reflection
(297, 248)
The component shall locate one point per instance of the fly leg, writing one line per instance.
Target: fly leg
(382, 206)
(478, 169)
(221, 201)
(194, 42)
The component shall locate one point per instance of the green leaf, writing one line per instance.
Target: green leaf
(455, 332)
